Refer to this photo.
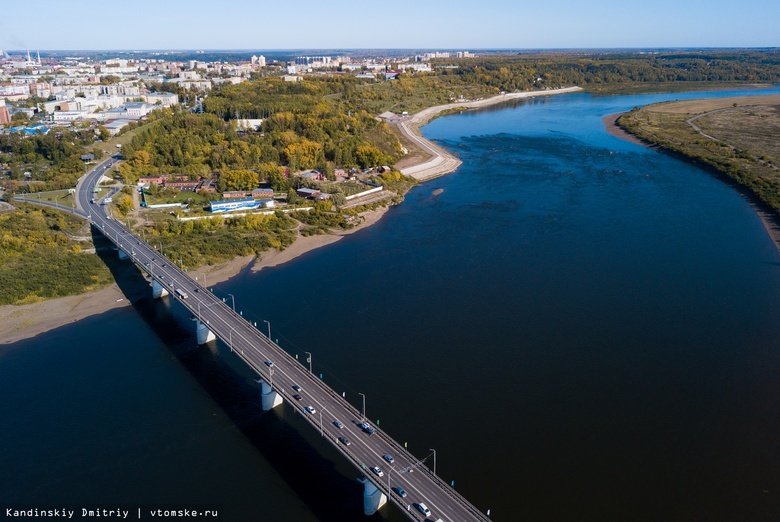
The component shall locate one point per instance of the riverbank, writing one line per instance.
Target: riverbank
(22, 322)
(429, 160)
(26, 321)
(769, 219)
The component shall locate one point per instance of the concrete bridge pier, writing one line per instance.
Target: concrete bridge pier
(122, 255)
(373, 499)
(270, 398)
(157, 290)
(203, 333)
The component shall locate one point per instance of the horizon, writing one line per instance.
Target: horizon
(335, 50)
(350, 24)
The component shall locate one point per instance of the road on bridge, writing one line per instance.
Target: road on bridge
(287, 376)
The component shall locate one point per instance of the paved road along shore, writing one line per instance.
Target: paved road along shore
(442, 162)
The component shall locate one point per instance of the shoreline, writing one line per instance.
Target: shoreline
(440, 162)
(27, 321)
(769, 219)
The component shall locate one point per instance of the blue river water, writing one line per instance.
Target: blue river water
(581, 327)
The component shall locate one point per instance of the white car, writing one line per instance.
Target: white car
(310, 409)
(423, 509)
(378, 472)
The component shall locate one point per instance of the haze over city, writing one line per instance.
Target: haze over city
(244, 24)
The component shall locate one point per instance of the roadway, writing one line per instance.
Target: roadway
(257, 351)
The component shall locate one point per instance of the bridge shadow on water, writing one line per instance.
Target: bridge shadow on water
(323, 480)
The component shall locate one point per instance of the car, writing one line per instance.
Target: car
(423, 509)
(196, 289)
(345, 441)
(297, 397)
(164, 265)
(367, 428)
(310, 409)
(297, 388)
(269, 364)
(400, 492)
(388, 458)
(338, 424)
(377, 471)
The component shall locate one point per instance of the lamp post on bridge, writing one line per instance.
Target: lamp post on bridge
(389, 472)
(321, 432)
(269, 328)
(234, 301)
(308, 359)
(434, 460)
(364, 406)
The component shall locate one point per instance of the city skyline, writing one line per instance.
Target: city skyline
(349, 24)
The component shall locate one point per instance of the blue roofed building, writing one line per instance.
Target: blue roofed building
(229, 205)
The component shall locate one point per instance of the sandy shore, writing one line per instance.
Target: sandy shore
(22, 322)
(610, 123)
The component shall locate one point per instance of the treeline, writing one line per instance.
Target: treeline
(39, 261)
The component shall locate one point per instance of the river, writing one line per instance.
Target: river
(581, 327)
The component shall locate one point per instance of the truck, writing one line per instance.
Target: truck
(107, 200)
(181, 293)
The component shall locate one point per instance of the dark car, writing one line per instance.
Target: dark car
(388, 458)
(297, 397)
(345, 441)
(400, 492)
(297, 388)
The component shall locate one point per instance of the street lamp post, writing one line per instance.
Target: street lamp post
(434, 460)
(364, 405)
(269, 328)
(321, 432)
(389, 472)
(234, 301)
(308, 359)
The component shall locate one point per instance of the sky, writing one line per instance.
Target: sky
(397, 24)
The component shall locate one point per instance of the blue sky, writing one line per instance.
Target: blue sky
(371, 24)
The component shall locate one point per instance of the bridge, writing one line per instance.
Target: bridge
(388, 470)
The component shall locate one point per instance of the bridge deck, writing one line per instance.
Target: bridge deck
(255, 349)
